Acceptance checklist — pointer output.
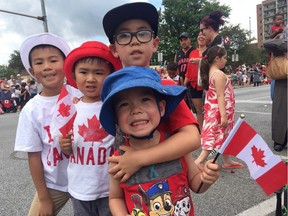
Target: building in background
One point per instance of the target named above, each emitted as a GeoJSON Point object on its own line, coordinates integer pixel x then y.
{"type": "Point", "coordinates": [265, 14]}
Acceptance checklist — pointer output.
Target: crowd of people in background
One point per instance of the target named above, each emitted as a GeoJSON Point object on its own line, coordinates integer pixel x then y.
{"type": "Point", "coordinates": [16, 92]}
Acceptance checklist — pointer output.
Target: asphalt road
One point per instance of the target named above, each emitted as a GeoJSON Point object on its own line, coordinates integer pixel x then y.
{"type": "Point", "coordinates": [234, 194]}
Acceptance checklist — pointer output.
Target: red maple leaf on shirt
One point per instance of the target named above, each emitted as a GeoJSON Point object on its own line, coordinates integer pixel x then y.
{"type": "Point", "coordinates": [64, 110]}
{"type": "Point", "coordinates": [258, 156]}
{"type": "Point", "coordinates": [93, 132]}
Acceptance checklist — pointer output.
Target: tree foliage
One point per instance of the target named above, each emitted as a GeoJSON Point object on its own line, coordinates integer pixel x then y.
{"type": "Point", "coordinates": [15, 62]}
{"type": "Point", "coordinates": [14, 66]}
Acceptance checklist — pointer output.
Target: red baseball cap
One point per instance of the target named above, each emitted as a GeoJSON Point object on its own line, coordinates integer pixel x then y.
{"type": "Point", "coordinates": [89, 49]}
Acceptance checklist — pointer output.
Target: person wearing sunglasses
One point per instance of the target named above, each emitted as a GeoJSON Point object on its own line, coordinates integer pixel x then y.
{"type": "Point", "coordinates": [209, 27]}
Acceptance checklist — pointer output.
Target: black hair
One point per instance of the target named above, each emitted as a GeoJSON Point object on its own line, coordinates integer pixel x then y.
{"type": "Point", "coordinates": [213, 52]}
{"type": "Point", "coordinates": [276, 15]}
{"type": "Point", "coordinates": [42, 46]}
{"type": "Point", "coordinates": [92, 59]}
{"type": "Point", "coordinates": [213, 20]}
{"type": "Point", "coordinates": [172, 66]}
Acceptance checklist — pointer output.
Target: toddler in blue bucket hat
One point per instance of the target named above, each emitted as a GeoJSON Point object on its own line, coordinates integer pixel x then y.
{"type": "Point", "coordinates": [135, 100]}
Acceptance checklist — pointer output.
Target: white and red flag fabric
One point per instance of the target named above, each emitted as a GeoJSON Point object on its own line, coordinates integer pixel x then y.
{"type": "Point", "coordinates": [227, 41]}
{"type": "Point", "coordinates": [65, 113]}
{"type": "Point", "coordinates": [243, 142]}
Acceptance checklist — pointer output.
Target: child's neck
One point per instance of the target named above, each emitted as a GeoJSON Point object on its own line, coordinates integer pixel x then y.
{"type": "Point", "coordinates": [86, 99]}
{"type": "Point", "coordinates": [144, 144]}
{"type": "Point", "coordinates": [213, 68]}
{"type": "Point", "coordinates": [50, 92]}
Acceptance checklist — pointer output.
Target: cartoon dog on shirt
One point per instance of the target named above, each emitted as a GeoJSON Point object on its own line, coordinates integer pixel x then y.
{"type": "Point", "coordinates": [158, 199]}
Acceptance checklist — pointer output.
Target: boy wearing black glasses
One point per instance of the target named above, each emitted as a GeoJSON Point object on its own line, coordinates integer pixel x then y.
{"type": "Point", "coordinates": [132, 31]}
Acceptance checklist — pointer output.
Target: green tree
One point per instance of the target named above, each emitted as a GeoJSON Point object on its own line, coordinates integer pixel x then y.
{"type": "Point", "coordinates": [183, 15]}
{"type": "Point", "coordinates": [5, 71]}
{"type": "Point", "coordinates": [15, 62]}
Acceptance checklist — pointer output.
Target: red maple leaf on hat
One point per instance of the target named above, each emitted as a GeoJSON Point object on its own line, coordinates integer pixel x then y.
{"type": "Point", "coordinates": [258, 156]}
{"type": "Point", "coordinates": [93, 132]}
{"type": "Point", "coordinates": [64, 110]}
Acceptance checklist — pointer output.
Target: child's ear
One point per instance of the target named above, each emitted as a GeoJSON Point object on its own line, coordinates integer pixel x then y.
{"type": "Point", "coordinates": [162, 106]}
{"type": "Point", "coordinates": [113, 50]}
{"type": "Point", "coordinates": [155, 44]}
{"type": "Point", "coordinates": [73, 76]}
{"type": "Point", "coordinates": [32, 72]}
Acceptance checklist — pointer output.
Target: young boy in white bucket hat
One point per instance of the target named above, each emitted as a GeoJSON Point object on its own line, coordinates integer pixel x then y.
{"type": "Point", "coordinates": [43, 57]}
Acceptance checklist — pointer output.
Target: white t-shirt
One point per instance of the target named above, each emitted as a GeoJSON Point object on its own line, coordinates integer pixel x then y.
{"type": "Point", "coordinates": [34, 135]}
{"type": "Point", "coordinates": [88, 177]}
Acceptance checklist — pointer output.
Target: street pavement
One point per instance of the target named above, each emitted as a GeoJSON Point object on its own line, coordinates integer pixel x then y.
{"type": "Point", "coordinates": [234, 194]}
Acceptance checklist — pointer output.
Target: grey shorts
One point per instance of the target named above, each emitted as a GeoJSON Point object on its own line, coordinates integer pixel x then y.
{"type": "Point", "coordinates": [99, 207]}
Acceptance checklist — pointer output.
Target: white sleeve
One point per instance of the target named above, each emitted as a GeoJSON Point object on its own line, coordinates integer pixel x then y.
{"type": "Point", "coordinates": [27, 136]}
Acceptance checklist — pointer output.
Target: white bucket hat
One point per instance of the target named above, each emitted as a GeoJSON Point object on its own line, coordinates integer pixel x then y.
{"type": "Point", "coordinates": [41, 39]}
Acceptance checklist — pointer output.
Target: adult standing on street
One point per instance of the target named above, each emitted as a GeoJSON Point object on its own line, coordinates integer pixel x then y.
{"type": "Point", "coordinates": [182, 59]}
{"type": "Point", "coordinates": [209, 26]}
{"type": "Point", "coordinates": [192, 77]}
{"type": "Point", "coordinates": [182, 56]}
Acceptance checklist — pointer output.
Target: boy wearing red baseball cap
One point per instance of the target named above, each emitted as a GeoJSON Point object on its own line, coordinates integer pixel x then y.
{"type": "Point", "coordinates": [85, 68]}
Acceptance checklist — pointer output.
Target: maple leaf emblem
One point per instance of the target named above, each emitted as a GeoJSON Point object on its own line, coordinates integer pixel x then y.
{"type": "Point", "coordinates": [93, 132]}
{"type": "Point", "coordinates": [258, 156]}
{"type": "Point", "coordinates": [64, 110]}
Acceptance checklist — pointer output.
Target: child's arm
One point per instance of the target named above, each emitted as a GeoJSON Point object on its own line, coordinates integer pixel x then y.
{"type": "Point", "coordinates": [208, 176]}
{"type": "Point", "coordinates": [220, 82]}
{"type": "Point", "coordinates": [116, 198]}
{"type": "Point", "coordinates": [276, 33]}
{"type": "Point", "coordinates": [185, 140]}
{"type": "Point", "coordinates": [37, 173]}
{"type": "Point", "coordinates": [66, 143]}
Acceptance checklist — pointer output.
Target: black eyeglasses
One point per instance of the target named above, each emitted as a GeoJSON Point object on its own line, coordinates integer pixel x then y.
{"type": "Point", "coordinates": [143, 36]}
{"type": "Point", "coordinates": [201, 30]}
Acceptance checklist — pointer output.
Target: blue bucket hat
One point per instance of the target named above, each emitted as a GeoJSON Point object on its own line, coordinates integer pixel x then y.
{"type": "Point", "coordinates": [132, 77]}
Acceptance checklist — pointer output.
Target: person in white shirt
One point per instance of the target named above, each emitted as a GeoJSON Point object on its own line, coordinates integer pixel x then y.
{"type": "Point", "coordinates": [43, 57]}
{"type": "Point", "coordinates": [86, 67]}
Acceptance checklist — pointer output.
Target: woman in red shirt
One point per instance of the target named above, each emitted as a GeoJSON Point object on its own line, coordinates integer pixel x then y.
{"type": "Point", "coordinates": [192, 77]}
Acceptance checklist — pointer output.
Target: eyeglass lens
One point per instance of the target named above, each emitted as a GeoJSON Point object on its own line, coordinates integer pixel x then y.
{"type": "Point", "coordinates": [142, 36]}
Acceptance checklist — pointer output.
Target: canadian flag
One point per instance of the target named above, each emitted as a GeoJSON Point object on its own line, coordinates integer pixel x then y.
{"type": "Point", "coordinates": [65, 113]}
{"type": "Point", "coordinates": [269, 171]}
{"type": "Point", "coordinates": [226, 40]}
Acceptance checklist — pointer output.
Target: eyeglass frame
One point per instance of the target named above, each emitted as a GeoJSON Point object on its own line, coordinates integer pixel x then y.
{"type": "Point", "coordinates": [134, 34]}
{"type": "Point", "coordinates": [201, 30]}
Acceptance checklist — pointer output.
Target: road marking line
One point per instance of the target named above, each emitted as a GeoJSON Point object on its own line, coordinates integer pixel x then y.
{"type": "Point", "coordinates": [244, 112]}
{"type": "Point", "coordinates": [253, 102]}
{"type": "Point", "coordinates": [261, 209]}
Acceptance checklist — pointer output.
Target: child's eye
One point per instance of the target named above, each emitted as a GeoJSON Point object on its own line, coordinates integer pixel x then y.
{"type": "Point", "coordinates": [123, 104]}
{"type": "Point", "coordinates": [145, 99]}
{"type": "Point", "coordinates": [99, 73]}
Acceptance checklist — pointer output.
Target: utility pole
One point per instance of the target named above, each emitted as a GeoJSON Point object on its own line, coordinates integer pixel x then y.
{"type": "Point", "coordinates": [250, 28]}
{"type": "Point", "coordinates": [43, 17]}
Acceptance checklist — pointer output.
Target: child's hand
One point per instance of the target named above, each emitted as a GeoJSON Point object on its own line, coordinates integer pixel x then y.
{"type": "Point", "coordinates": [66, 143]}
{"type": "Point", "coordinates": [210, 172]}
{"type": "Point", "coordinates": [45, 207]}
{"type": "Point", "coordinates": [127, 164]}
{"type": "Point", "coordinates": [75, 100]}
{"type": "Point", "coordinates": [224, 121]}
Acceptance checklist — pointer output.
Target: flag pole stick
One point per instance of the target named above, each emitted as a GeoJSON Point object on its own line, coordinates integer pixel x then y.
{"type": "Point", "coordinates": [216, 157]}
